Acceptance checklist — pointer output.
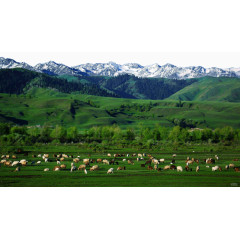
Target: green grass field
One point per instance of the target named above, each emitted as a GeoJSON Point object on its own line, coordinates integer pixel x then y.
{"type": "Point", "coordinates": [133, 176]}
{"type": "Point", "coordinates": [52, 107]}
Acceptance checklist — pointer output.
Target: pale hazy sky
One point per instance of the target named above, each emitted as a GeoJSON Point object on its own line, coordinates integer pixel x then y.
{"type": "Point", "coordinates": [72, 32]}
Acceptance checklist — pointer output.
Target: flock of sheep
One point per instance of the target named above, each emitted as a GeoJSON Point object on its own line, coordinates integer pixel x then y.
{"type": "Point", "coordinates": [152, 163]}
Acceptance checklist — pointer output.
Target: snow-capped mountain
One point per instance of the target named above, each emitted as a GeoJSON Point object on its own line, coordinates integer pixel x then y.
{"type": "Point", "coordinates": [53, 68]}
{"type": "Point", "coordinates": [114, 69]}
{"type": "Point", "coordinates": [154, 70]}
{"type": "Point", "coordinates": [236, 70]}
{"type": "Point", "coordinates": [100, 69]}
{"type": "Point", "coordinates": [10, 63]}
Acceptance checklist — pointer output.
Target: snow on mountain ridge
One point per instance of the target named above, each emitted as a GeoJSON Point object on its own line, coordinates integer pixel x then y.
{"type": "Point", "coordinates": [113, 69]}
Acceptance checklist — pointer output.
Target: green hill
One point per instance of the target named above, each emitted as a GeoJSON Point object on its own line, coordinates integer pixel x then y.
{"type": "Point", "coordinates": [129, 86]}
{"type": "Point", "coordinates": [49, 106]}
{"type": "Point", "coordinates": [20, 81]}
{"type": "Point", "coordinates": [210, 89]}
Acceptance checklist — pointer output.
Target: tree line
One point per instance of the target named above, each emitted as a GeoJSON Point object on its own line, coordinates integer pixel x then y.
{"type": "Point", "coordinates": [111, 135]}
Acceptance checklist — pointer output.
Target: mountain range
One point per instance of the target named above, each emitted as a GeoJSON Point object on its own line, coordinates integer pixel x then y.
{"type": "Point", "coordinates": [113, 69]}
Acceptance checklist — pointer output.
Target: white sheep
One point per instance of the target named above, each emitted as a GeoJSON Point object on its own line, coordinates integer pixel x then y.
{"type": "Point", "coordinates": [215, 168]}
{"type": "Point", "coordinates": [46, 169]}
{"type": "Point", "coordinates": [58, 162]}
{"type": "Point", "coordinates": [15, 163]}
{"type": "Point", "coordinates": [73, 167]}
{"type": "Point", "coordinates": [162, 160]}
{"type": "Point", "coordinates": [46, 159]}
{"type": "Point", "coordinates": [124, 159]}
{"type": "Point", "coordinates": [38, 162]}
{"type": "Point", "coordinates": [85, 171]}
{"type": "Point", "coordinates": [179, 169]}
{"type": "Point", "coordinates": [110, 170]}
{"type": "Point", "coordinates": [105, 161]}
{"type": "Point", "coordinates": [197, 169]}
{"type": "Point", "coordinates": [155, 161]}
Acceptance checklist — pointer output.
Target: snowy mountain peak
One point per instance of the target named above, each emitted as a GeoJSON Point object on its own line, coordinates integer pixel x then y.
{"type": "Point", "coordinates": [113, 69]}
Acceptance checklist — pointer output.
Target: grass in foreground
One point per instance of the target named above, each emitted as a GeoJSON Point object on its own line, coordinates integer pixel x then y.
{"type": "Point", "coordinates": [133, 176]}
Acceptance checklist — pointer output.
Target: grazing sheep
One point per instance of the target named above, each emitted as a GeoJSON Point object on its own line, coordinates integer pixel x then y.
{"type": "Point", "coordinates": [173, 161]}
{"type": "Point", "coordinates": [155, 161]}
{"type": "Point", "coordinates": [207, 166]}
{"type": "Point", "coordinates": [82, 167]}
{"type": "Point", "coordinates": [46, 169]}
{"type": "Point", "coordinates": [150, 168]}
{"type": "Point", "coordinates": [39, 155]}
{"type": "Point", "coordinates": [14, 156]}
{"type": "Point", "coordinates": [3, 161]}
{"type": "Point", "coordinates": [162, 160]}
{"type": "Point", "coordinates": [130, 162]}
{"type": "Point", "coordinates": [76, 160]}
{"type": "Point", "coordinates": [231, 165]}
{"type": "Point", "coordinates": [63, 166]}
{"type": "Point", "coordinates": [8, 163]}
{"type": "Point", "coordinates": [189, 162]}
{"type": "Point", "coordinates": [56, 168]}
{"type": "Point", "coordinates": [86, 161]}
{"type": "Point", "coordinates": [99, 160]}
{"type": "Point", "coordinates": [94, 168]}
{"type": "Point", "coordinates": [124, 159]}
{"type": "Point", "coordinates": [174, 155]}
{"type": "Point", "coordinates": [179, 169]}
{"type": "Point", "coordinates": [121, 168]}
{"type": "Point", "coordinates": [23, 162]}
{"type": "Point", "coordinates": [227, 167]}
{"type": "Point", "coordinates": [210, 161]}
{"type": "Point", "coordinates": [110, 170]}
{"type": "Point", "coordinates": [17, 169]}
{"type": "Point", "coordinates": [62, 159]}
{"type": "Point", "coordinates": [73, 167]}
{"type": "Point", "coordinates": [173, 167]}
{"type": "Point", "coordinates": [197, 169]}
{"type": "Point", "coordinates": [38, 162]}
{"type": "Point", "coordinates": [112, 161]}
{"type": "Point", "coordinates": [15, 163]}
{"type": "Point", "coordinates": [148, 162]}
{"type": "Point", "coordinates": [167, 167]}
{"type": "Point", "coordinates": [85, 171]}
{"type": "Point", "coordinates": [109, 155]}
{"type": "Point", "coordinates": [58, 162]}
{"type": "Point", "coordinates": [155, 167]}
{"type": "Point", "coordinates": [105, 161]}
{"type": "Point", "coordinates": [187, 168]}
{"type": "Point", "coordinates": [215, 168]}
{"type": "Point", "coordinates": [46, 159]}
{"type": "Point", "coordinates": [127, 155]}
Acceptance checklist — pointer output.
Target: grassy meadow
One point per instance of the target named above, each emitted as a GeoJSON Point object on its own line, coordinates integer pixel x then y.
{"type": "Point", "coordinates": [133, 176]}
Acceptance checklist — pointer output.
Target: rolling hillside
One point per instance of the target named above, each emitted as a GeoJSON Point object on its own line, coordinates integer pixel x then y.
{"type": "Point", "coordinates": [210, 89]}
{"type": "Point", "coordinates": [84, 111]}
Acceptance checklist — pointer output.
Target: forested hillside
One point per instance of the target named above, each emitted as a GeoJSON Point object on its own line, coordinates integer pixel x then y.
{"type": "Point", "coordinates": [18, 81]}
